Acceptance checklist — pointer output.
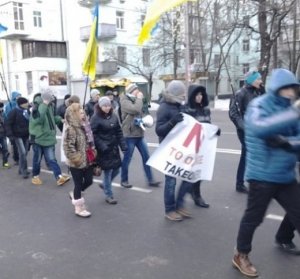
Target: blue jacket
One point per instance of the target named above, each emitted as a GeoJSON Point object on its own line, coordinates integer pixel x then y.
{"type": "Point", "coordinates": [12, 104]}
{"type": "Point", "coordinates": [268, 116]}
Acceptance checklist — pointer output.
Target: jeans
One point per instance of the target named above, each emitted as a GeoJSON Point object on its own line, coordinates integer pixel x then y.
{"type": "Point", "coordinates": [109, 176]}
{"type": "Point", "coordinates": [259, 197]}
{"type": "Point", "coordinates": [49, 154]}
{"type": "Point", "coordinates": [143, 149]}
{"type": "Point", "coordinates": [5, 153]}
{"type": "Point", "coordinates": [241, 168]}
{"type": "Point", "coordinates": [83, 178]}
{"type": "Point", "coordinates": [22, 145]}
{"type": "Point", "coordinates": [169, 193]}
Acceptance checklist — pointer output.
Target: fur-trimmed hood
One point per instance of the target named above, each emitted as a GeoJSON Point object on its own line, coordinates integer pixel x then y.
{"type": "Point", "coordinates": [193, 90]}
{"type": "Point", "coordinates": [71, 115]}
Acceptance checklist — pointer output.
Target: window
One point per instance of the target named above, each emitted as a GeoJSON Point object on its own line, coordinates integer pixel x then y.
{"type": "Point", "coordinates": [17, 82]}
{"type": "Point", "coordinates": [122, 54]}
{"type": "Point", "coordinates": [146, 57]}
{"type": "Point", "coordinates": [29, 82]}
{"type": "Point", "coordinates": [120, 20]}
{"type": "Point", "coordinates": [37, 19]}
{"type": "Point", "coordinates": [246, 45]}
{"type": "Point", "coordinates": [217, 60]}
{"type": "Point", "coordinates": [246, 68]}
{"type": "Point", "coordinates": [246, 20]}
{"type": "Point", "coordinates": [142, 19]}
{"type": "Point", "coordinates": [18, 16]}
{"type": "Point", "coordinates": [43, 49]}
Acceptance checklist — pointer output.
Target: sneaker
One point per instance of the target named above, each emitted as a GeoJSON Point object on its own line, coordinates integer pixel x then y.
{"type": "Point", "coordinates": [242, 189]}
{"type": "Point", "coordinates": [154, 184]}
{"type": "Point", "coordinates": [36, 180]}
{"type": "Point", "coordinates": [62, 180]}
{"type": "Point", "coordinates": [242, 263]}
{"type": "Point", "coordinates": [6, 165]}
{"type": "Point", "coordinates": [184, 213]}
{"type": "Point", "coordinates": [289, 248]}
{"type": "Point", "coordinates": [173, 216]}
{"type": "Point", "coordinates": [125, 184]}
{"type": "Point", "coordinates": [111, 200]}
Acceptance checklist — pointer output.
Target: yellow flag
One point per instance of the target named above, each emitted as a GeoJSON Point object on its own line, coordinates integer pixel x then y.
{"type": "Point", "coordinates": [154, 12]}
{"type": "Point", "coordinates": [90, 59]}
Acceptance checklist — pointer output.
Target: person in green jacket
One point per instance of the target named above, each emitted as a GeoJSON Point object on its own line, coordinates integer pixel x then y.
{"type": "Point", "coordinates": [42, 130]}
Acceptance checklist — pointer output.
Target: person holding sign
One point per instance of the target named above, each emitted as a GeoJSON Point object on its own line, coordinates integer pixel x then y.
{"type": "Point", "coordinates": [168, 115]}
{"type": "Point", "coordinates": [198, 108]}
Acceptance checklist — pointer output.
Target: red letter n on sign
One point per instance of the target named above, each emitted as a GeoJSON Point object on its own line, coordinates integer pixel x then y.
{"type": "Point", "coordinates": [195, 133]}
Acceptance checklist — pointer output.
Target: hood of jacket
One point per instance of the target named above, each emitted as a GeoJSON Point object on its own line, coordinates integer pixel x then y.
{"type": "Point", "coordinates": [281, 78]}
{"type": "Point", "coordinates": [15, 95]}
{"type": "Point", "coordinates": [72, 117]}
{"type": "Point", "coordinates": [37, 99]}
{"type": "Point", "coordinates": [193, 90]}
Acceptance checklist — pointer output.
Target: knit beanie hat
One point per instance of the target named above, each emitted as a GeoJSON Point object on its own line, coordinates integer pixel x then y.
{"type": "Point", "coordinates": [252, 76]}
{"type": "Point", "coordinates": [95, 92]}
{"type": "Point", "coordinates": [67, 97]}
{"type": "Point", "coordinates": [22, 101]}
{"type": "Point", "coordinates": [131, 87]}
{"type": "Point", "coordinates": [109, 93]}
{"type": "Point", "coordinates": [1, 105]}
{"type": "Point", "coordinates": [104, 101]}
{"type": "Point", "coordinates": [176, 91]}
{"type": "Point", "coordinates": [47, 95]}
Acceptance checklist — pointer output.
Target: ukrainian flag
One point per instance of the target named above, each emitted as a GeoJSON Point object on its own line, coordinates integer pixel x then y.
{"type": "Point", "coordinates": [2, 29]}
{"type": "Point", "coordinates": [154, 12]}
{"type": "Point", "coordinates": [90, 59]}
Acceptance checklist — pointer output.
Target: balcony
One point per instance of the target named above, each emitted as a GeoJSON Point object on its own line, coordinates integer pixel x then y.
{"type": "Point", "coordinates": [91, 3]}
{"type": "Point", "coordinates": [106, 68]}
{"type": "Point", "coordinates": [105, 31]}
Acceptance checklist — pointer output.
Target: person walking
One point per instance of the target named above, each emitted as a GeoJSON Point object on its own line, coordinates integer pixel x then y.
{"type": "Point", "coordinates": [272, 136]}
{"type": "Point", "coordinates": [77, 139]}
{"type": "Point", "coordinates": [17, 129]}
{"type": "Point", "coordinates": [237, 109]}
{"type": "Point", "coordinates": [131, 109]}
{"type": "Point", "coordinates": [168, 115]}
{"type": "Point", "coordinates": [42, 131]}
{"type": "Point", "coordinates": [198, 108]}
{"type": "Point", "coordinates": [3, 139]}
{"type": "Point", "coordinates": [7, 109]}
{"type": "Point", "coordinates": [108, 139]}
{"type": "Point", "coordinates": [89, 107]}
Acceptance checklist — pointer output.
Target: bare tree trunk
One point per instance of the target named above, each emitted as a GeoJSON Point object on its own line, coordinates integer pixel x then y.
{"type": "Point", "coordinates": [294, 46]}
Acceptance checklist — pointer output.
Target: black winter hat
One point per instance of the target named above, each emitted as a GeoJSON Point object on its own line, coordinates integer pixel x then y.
{"type": "Point", "coordinates": [1, 105]}
{"type": "Point", "coordinates": [67, 96]}
{"type": "Point", "coordinates": [22, 101]}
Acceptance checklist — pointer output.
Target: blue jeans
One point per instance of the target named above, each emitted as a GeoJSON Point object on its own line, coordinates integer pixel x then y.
{"type": "Point", "coordinates": [5, 153]}
{"type": "Point", "coordinates": [143, 149]}
{"type": "Point", "coordinates": [49, 154]}
{"type": "Point", "coordinates": [171, 204]}
{"type": "Point", "coordinates": [109, 176]}
{"type": "Point", "coordinates": [22, 145]}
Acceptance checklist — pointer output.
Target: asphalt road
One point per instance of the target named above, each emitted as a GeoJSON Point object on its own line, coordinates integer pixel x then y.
{"type": "Point", "coordinates": [41, 238]}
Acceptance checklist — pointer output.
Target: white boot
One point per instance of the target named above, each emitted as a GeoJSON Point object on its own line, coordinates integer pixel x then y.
{"type": "Point", "coordinates": [80, 208]}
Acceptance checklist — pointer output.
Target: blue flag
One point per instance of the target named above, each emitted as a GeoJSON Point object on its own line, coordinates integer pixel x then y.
{"type": "Point", "coordinates": [2, 28]}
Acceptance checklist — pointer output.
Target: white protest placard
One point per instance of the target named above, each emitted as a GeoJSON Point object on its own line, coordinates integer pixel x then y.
{"type": "Point", "coordinates": [188, 152]}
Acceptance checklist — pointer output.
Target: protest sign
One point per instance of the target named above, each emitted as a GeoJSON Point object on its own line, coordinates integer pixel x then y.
{"type": "Point", "coordinates": [188, 152]}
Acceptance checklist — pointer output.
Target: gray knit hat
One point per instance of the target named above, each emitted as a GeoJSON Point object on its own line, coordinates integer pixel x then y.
{"type": "Point", "coordinates": [47, 95]}
{"type": "Point", "coordinates": [176, 91]}
{"type": "Point", "coordinates": [131, 87]}
{"type": "Point", "coordinates": [95, 92]}
{"type": "Point", "coordinates": [104, 101]}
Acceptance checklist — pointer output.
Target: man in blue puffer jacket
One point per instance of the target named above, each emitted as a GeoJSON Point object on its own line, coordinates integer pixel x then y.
{"type": "Point", "coordinates": [272, 136]}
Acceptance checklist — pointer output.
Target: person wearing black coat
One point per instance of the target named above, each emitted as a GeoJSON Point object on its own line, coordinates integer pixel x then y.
{"type": "Point", "coordinates": [61, 111]}
{"type": "Point", "coordinates": [3, 139]}
{"type": "Point", "coordinates": [108, 138]}
{"type": "Point", "coordinates": [17, 129]}
{"type": "Point", "coordinates": [198, 108]}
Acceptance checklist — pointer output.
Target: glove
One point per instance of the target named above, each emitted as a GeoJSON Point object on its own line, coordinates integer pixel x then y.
{"type": "Point", "coordinates": [218, 133]}
{"type": "Point", "coordinates": [279, 142]}
{"type": "Point", "coordinates": [176, 119]}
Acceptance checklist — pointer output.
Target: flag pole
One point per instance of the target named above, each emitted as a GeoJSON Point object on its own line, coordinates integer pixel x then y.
{"type": "Point", "coordinates": [87, 80]}
{"type": "Point", "coordinates": [3, 81]}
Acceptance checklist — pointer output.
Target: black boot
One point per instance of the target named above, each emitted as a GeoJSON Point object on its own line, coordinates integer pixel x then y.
{"type": "Point", "coordinates": [196, 194]}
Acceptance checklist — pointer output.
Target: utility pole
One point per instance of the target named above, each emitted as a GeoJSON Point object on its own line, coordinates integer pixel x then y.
{"type": "Point", "coordinates": [187, 45]}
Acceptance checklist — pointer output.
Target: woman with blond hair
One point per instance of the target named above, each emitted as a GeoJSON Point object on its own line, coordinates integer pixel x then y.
{"type": "Point", "coordinates": [78, 139]}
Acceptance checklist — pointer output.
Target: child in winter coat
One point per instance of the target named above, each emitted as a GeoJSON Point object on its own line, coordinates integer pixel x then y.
{"type": "Point", "coordinates": [108, 138]}
{"type": "Point", "coordinates": [77, 139]}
